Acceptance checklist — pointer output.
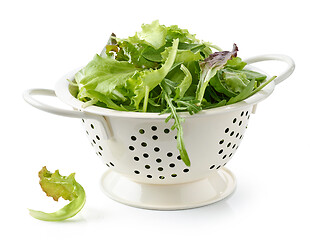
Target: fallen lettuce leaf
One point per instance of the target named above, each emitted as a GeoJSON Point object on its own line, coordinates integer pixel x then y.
{"type": "Point", "coordinates": [56, 186]}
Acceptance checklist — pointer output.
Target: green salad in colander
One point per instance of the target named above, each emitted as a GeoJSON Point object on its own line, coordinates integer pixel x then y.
{"type": "Point", "coordinates": [166, 70]}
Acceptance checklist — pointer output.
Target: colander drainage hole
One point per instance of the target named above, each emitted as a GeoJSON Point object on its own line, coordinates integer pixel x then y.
{"type": "Point", "coordinates": [161, 177]}
{"type": "Point", "coordinates": [160, 169]}
{"type": "Point", "coordinates": [186, 170]}
{"type": "Point", "coordinates": [136, 158]}
{"type": "Point", "coordinates": [141, 131]}
{"type": "Point", "coordinates": [173, 175]}
{"type": "Point", "coordinates": [213, 166]}
{"type": "Point", "coordinates": [179, 157]}
{"type": "Point", "coordinates": [111, 164]}
{"type": "Point", "coordinates": [154, 137]}
{"type": "Point", "coordinates": [145, 155]}
{"type": "Point", "coordinates": [136, 172]}
{"type": "Point", "coordinates": [98, 138]}
{"type": "Point", "coordinates": [149, 176]}
{"type": "Point", "coordinates": [92, 126]}
{"type": "Point", "coordinates": [133, 138]}
{"type": "Point", "coordinates": [154, 128]}
{"type": "Point", "coordinates": [156, 149]}
{"type": "Point", "coordinates": [166, 130]}
{"type": "Point", "coordinates": [100, 148]}
{"type": "Point", "coordinates": [169, 154]}
{"type": "Point", "coordinates": [226, 130]}
{"type": "Point", "coordinates": [221, 151]}
{"type": "Point", "coordinates": [147, 166]}
{"type": "Point", "coordinates": [222, 141]}
{"type": "Point", "coordinates": [172, 165]}
{"type": "Point", "coordinates": [143, 144]}
{"type": "Point", "coordinates": [131, 148]}
{"type": "Point", "coordinates": [158, 160]}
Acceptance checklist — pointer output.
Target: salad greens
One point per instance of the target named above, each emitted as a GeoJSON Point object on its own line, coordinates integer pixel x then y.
{"type": "Point", "coordinates": [166, 70]}
{"type": "Point", "coordinates": [56, 186]}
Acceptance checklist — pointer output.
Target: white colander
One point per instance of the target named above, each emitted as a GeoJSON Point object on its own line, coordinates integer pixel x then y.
{"type": "Point", "coordinates": [145, 168]}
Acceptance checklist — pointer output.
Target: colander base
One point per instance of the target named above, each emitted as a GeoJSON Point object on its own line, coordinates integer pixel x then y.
{"type": "Point", "coordinates": [213, 188]}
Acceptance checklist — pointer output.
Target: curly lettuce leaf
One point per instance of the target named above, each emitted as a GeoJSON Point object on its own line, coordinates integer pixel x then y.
{"type": "Point", "coordinates": [147, 80]}
{"type": "Point", "coordinates": [111, 46]}
{"type": "Point", "coordinates": [135, 54]}
{"type": "Point", "coordinates": [174, 32]}
{"type": "Point", "coordinates": [153, 34]}
{"type": "Point", "coordinates": [56, 186]}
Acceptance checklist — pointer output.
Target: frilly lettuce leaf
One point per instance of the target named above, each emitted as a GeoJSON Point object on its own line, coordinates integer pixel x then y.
{"type": "Point", "coordinates": [56, 186]}
{"type": "Point", "coordinates": [146, 80]}
{"type": "Point", "coordinates": [174, 32]}
{"type": "Point", "coordinates": [152, 34]}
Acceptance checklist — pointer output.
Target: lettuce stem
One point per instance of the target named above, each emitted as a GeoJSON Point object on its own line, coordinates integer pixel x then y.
{"type": "Point", "coordinates": [146, 98]}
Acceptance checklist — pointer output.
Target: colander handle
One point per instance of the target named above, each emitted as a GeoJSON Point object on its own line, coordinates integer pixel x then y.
{"type": "Point", "coordinates": [28, 96]}
{"type": "Point", "coordinates": [276, 57]}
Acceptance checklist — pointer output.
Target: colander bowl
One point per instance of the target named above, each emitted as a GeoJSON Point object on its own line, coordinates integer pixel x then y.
{"type": "Point", "coordinates": [140, 149]}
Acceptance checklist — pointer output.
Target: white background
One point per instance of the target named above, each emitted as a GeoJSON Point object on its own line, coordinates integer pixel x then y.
{"type": "Point", "coordinates": [42, 40]}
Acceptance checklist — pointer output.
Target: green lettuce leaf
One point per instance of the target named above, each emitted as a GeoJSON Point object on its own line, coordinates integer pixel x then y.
{"type": "Point", "coordinates": [135, 54]}
{"type": "Point", "coordinates": [147, 80]}
{"type": "Point", "coordinates": [56, 186]}
{"type": "Point", "coordinates": [210, 66]}
{"type": "Point", "coordinates": [153, 34]}
{"type": "Point", "coordinates": [106, 76]}
{"type": "Point", "coordinates": [174, 32]}
{"type": "Point", "coordinates": [185, 84]}
{"type": "Point", "coordinates": [235, 63]}
{"type": "Point", "coordinates": [177, 123]}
